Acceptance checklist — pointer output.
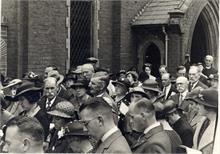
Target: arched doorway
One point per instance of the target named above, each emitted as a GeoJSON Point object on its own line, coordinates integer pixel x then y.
{"type": "Point", "coordinates": [199, 41]}
{"type": "Point", "coordinates": [152, 55]}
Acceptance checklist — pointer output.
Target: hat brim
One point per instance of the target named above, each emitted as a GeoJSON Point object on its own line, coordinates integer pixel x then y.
{"type": "Point", "coordinates": [116, 82]}
{"type": "Point", "coordinates": [78, 134]}
{"type": "Point", "coordinates": [197, 100]}
{"type": "Point", "coordinates": [78, 85]}
{"type": "Point", "coordinates": [152, 89]}
{"type": "Point", "coordinates": [27, 90]}
{"type": "Point", "coordinates": [58, 114]}
{"type": "Point", "coordinates": [11, 85]}
{"type": "Point", "coordinates": [136, 92]}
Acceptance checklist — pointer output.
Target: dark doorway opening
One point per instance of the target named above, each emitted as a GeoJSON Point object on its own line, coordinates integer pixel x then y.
{"type": "Point", "coordinates": [152, 56]}
{"type": "Point", "coordinates": [199, 42]}
{"type": "Point", "coordinates": [81, 31]}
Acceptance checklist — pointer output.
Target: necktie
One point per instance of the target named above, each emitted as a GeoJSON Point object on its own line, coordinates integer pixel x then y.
{"type": "Point", "coordinates": [180, 99]}
{"type": "Point", "coordinates": [48, 105]}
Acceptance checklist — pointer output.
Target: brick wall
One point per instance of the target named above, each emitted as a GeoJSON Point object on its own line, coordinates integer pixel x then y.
{"type": "Point", "coordinates": [9, 10]}
{"type": "Point", "coordinates": [47, 35]}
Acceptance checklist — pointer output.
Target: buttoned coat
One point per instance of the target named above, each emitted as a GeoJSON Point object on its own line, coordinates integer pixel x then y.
{"type": "Point", "coordinates": [116, 143]}
{"type": "Point", "coordinates": [155, 141]}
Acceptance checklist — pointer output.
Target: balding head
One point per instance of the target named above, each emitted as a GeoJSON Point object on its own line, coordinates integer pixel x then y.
{"type": "Point", "coordinates": [182, 84]}
{"type": "Point", "coordinates": [87, 71]}
{"type": "Point", "coordinates": [194, 74]}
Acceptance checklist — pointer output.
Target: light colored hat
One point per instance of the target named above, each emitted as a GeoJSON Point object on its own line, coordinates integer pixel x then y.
{"type": "Point", "coordinates": [63, 109]}
{"type": "Point", "coordinates": [13, 83]}
{"type": "Point", "coordinates": [57, 75]}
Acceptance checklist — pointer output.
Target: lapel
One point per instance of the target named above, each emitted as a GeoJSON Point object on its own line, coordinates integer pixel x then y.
{"type": "Point", "coordinates": [143, 139]}
{"type": "Point", "coordinates": [106, 144]}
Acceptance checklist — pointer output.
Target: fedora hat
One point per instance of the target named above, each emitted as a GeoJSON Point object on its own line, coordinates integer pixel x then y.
{"type": "Point", "coordinates": [80, 83]}
{"type": "Point", "coordinates": [57, 75]}
{"type": "Point", "coordinates": [207, 97]}
{"type": "Point", "coordinates": [123, 82]}
{"type": "Point", "coordinates": [151, 85]}
{"type": "Point", "coordinates": [13, 83]}
{"type": "Point", "coordinates": [136, 90]}
{"type": "Point", "coordinates": [63, 109]}
{"type": "Point", "coordinates": [76, 128]}
{"type": "Point", "coordinates": [26, 86]}
{"type": "Point", "coordinates": [92, 60]}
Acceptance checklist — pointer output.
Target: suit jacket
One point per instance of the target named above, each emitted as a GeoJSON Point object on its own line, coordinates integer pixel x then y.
{"type": "Point", "coordinates": [185, 131]}
{"type": "Point", "coordinates": [42, 104]}
{"type": "Point", "coordinates": [63, 93]}
{"type": "Point", "coordinates": [184, 104]}
{"type": "Point", "coordinates": [115, 143]}
{"type": "Point", "coordinates": [155, 141]}
{"type": "Point", "coordinates": [171, 92]}
{"type": "Point", "coordinates": [207, 72]}
{"type": "Point", "coordinates": [198, 84]}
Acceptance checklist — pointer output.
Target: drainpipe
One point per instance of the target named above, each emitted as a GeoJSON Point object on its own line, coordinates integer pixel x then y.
{"type": "Point", "coordinates": [166, 45]}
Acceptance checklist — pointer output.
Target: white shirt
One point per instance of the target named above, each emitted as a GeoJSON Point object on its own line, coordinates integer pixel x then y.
{"type": "Point", "coordinates": [194, 84]}
{"type": "Point", "coordinates": [166, 90]}
{"type": "Point", "coordinates": [184, 94]}
{"type": "Point", "coordinates": [109, 133]}
{"type": "Point", "coordinates": [151, 127]}
{"type": "Point", "coordinates": [51, 102]}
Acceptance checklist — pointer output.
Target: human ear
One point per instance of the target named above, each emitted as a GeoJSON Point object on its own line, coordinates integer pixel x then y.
{"type": "Point", "coordinates": [26, 145]}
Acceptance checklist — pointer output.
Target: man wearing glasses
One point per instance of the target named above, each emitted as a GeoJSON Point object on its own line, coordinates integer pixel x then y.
{"type": "Point", "coordinates": [97, 118]}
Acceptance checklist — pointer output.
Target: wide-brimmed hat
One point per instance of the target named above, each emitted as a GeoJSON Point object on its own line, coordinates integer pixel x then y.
{"type": "Point", "coordinates": [152, 85]}
{"type": "Point", "coordinates": [26, 86]}
{"type": "Point", "coordinates": [76, 128]}
{"type": "Point", "coordinates": [13, 83]}
{"type": "Point", "coordinates": [134, 73]}
{"type": "Point", "coordinates": [80, 83]}
{"type": "Point", "coordinates": [57, 75]}
{"type": "Point", "coordinates": [92, 60]}
{"type": "Point", "coordinates": [207, 97]}
{"type": "Point", "coordinates": [63, 109]}
{"type": "Point", "coordinates": [137, 90]}
{"type": "Point", "coordinates": [122, 81]}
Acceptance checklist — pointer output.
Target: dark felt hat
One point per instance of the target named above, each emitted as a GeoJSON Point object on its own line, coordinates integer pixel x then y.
{"type": "Point", "coordinates": [80, 83]}
{"type": "Point", "coordinates": [122, 81]}
{"type": "Point", "coordinates": [151, 85]}
{"type": "Point", "coordinates": [76, 128]}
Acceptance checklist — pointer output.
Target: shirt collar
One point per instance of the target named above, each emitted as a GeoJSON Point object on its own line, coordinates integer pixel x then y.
{"type": "Point", "coordinates": [51, 101]}
{"type": "Point", "coordinates": [109, 133]}
{"type": "Point", "coordinates": [184, 94]}
{"type": "Point", "coordinates": [156, 124]}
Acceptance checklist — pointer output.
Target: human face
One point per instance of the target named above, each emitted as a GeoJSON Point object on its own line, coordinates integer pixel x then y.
{"type": "Point", "coordinates": [162, 71]}
{"type": "Point", "coordinates": [119, 90]}
{"type": "Point", "coordinates": [135, 97]}
{"type": "Point", "coordinates": [58, 122]}
{"type": "Point", "coordinates": [181, 72]}
{"type": "Point", "coordinates": [181, 85]}
{"type": "Point", "coordinates": [50, 88]}
{"type": "Point", "coordinates": [91, 123]}
{"type": "Point", "coordinates": [25, 103]}
{"type": "Point", "coordinates": [165, 80]}
{"type": "Point", "coordinates": [80, 92]}
{"type": "Point", "coordinates": [193, 75]}
{"type": "Point", "coordinates": [47, 70]}
{"type": "Point", "coordinates": [95, 86]}
{"type": "Point", "coordinates": [208, 61]}
{"type": "Point", "coordinates": [148, 70]}
{"type": "Point", "coordinates": [13, 140]}
{"type": "Point", "coordinates": [87, 74]}
{"type": "Point", "coordinates": [136, 120]}
{"type": "Point", "coordinates": [130, 78]}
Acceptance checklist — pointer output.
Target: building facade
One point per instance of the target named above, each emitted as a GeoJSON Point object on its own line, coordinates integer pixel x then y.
{"type": "Point", "coordinates": [122, 34]}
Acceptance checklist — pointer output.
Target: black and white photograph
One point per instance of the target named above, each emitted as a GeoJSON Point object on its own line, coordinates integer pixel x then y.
{"type": "Point", "coordinates": [109, 76]}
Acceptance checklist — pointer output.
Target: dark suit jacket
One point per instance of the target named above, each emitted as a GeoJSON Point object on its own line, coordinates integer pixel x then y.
{"type": "Point", "coordinates": [115, 143]}
{"type": "Point", "coordinates": [199, 84]}
{"type": "Point", "coordinates": [184, 105]}
{"type": "Point", "coordinates": [207, 72]}
{"type": "Point", "coordinates": [185, 131]}
{"type": "Point", "coordinates": [42, 104]}
{"type": "Point", "coordinates": [155, 141]}
{"type": "Point", "coordinates": [172, 90]}
{"type": "Point", "coordinates": [63, 93]}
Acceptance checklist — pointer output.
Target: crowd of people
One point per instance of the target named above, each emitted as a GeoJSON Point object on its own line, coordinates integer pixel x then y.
{"type": "Point", "coordinates": [93, 110]}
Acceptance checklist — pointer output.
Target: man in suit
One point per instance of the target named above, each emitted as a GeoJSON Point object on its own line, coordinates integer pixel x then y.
{"type": "Point", "coordinates": [50, 98]}
{"type": "Point", "coordinates": [97, 117]}
{"type": "Point", "coordinates": [194, 76]}
{"type": "Point", "coordinates": [168, 88]}
{"type": "Point", "coordinates": [208, 68]}
{"type": "Point", "coordinates": [143, 119]}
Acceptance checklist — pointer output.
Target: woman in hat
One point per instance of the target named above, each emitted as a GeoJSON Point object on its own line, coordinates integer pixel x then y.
{"type": "Point", "coordinates": [28, 95]}
{"type": "Point", "coordinates": [63, 114]}
{"type": "Point", "coordinates": [81, 96]}
{"type": "Point", "coordinates": [132, 76]}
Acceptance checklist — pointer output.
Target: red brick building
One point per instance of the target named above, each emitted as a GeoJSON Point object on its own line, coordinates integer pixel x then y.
{"type": "Point", "coordinates": [121, 34]}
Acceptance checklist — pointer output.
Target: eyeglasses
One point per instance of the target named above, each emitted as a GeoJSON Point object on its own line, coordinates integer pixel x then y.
{"type": "Point", "coordinates": [86, 122]}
